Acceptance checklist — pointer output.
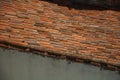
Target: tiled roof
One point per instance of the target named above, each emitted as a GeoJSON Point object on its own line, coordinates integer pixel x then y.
{"type": "Point", "coordinates": [45, 26]}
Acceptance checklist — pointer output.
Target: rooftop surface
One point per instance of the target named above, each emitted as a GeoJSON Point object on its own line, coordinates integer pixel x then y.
{"type": "Point", "coordinates": [89, 34]}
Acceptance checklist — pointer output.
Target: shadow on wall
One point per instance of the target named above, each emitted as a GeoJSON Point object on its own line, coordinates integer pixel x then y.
{"type": "Point", "coordinates": [88, 4]}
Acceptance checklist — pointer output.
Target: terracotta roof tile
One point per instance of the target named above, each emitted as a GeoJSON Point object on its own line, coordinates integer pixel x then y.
{"type": "Point", "coordinates": [86, 34]}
